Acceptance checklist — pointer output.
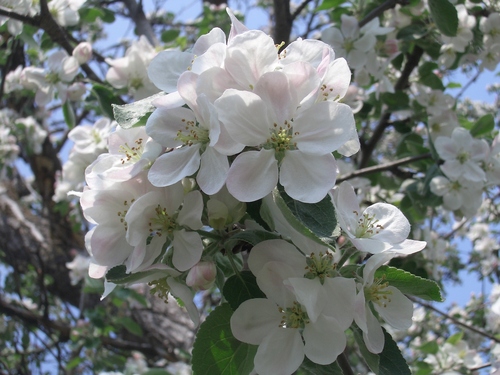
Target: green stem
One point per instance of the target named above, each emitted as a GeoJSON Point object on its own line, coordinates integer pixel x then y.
{"type": "Point", "coordinates": [349, 252]}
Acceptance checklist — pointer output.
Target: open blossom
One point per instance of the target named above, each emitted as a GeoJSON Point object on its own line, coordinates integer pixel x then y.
{"type": "Point", "coordinates": [460, 194]}
{"type": "Point", "coordinates": [379, 228]}
{"type": "Point", "coordinates": [464, 35]}
{"type": "Point", "coordinates": [295, 146]}
{"type": "Point", "coordinates": [392, 305]}
{"type": "Point", "coordinates": [65, 12]}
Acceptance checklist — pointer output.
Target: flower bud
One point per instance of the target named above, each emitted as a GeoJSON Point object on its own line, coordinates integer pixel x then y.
{"type": "Point", "coordinates": [76, 91]}
{"type": "Point", "coordinates": [83, 52]}
{"type": "Point", "coordinates": [202, 276]}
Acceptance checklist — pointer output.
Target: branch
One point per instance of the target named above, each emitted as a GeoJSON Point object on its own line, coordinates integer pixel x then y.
{"type": "Point", "coordinates": [344, 364]}
{"type": "Point", "coordinates": [384, 167]}
{"type": "Point", "coordinates": [19, 17]}
{"type": "Point", "coordinates": [389, 4]}
{"type": "Point", "coordinates": [136, 13]}
{"type": "Point", "coordinates": [299, 9]}
{"type": "Point", "coordinates": [455, 320]}
{"type": "Point", "coordinates": [282, 22]}
{"type": "Point", "coordinates": [467, 85]}
{"type": "Point", "coordinates": [411, 63]}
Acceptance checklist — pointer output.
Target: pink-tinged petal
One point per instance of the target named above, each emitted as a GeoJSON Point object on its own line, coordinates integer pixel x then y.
{"type": "Point", "coordinates": [187, 249]}
{"type": "Point", "coordinates": [324, 340]}
{"type": "Point", "coordinates": [253, 175]}
{"type": "Point", "coordinates": [398, 311]}
{"type": "Point", "coordinates": [185, 294]}
{"type": "Point", "coordinates": [164, 124]}
{"type": "Point", "coordinates": [166, 68]}
{"type": "Point", "coordinates": [190, 214]}
{"type": "Point", "coordinates": [143, 256]}
{"type": "Point", "coordinates": [337, 79]}
{"type": "Point", "coordinates": [309, 293]}
{"type": "Point", "coordinates": [246, 116]}
{"type": "Point", "coordinates": [341, 298]}
{"type": "Point", "coordinates": [186, 86]}
{"type": "Point", "coordinates": [249, 55]}
{"type": "Point", "coordinates": [309, 50]}
{"type": "Point", "coordinates": [213, 171]}
{"type": "Point", "coordinates": [395, 227]}
{"type": "Point", "coordinates": [139, 214]}
{"type": "Point", "coordinates": [172, 100]}
{"type": "Point", "coordinates": [280, 352]}
{"type": "Point", "coordinates": [304, 79]}
{"type": "Point", "coordinates": [408, 247]}
{"type": "Point", "coordinates": [214, 81]}
{"type": "Point", "coordinates": [374, 336]}
{"type": "Point", "coordinates": [236, 26]}
{"type": "Point", "coordinates": [278, 251]}
{"type": "Point", "coordinates": [175, 165]}
{"type": "Point", "coordinates": [204, 42]}
{"type": "Point", "coordinates": [227, 145]}
{"type": "Point", "coordinates": [213, 57]}
{"type": "Point", "coordinates": [274, 90]}
{"type": "Point", "coordinates": [308, 178]}
{"type": "Point", "coordinates": [254, 319]}
{"type": "Point", "coordinates": [97, 271]}
{"type": "Point", "coordinates": [109, 247]}
{"type": "Point", "coordinates": [208, 118]}
{"type": "Point", "coordinates": [323, 127]}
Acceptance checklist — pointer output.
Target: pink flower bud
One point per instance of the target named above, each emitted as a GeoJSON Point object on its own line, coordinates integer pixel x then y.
{"type": "Point", "coordinates": [391, 47]}
{"type": "Point", "coordinates": [83, 52]}
{"type": "Point", "coordinates": [202, 276]}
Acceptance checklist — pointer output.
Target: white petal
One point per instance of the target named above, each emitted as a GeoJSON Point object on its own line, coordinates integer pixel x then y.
{"type": "Point", "coordinates": [213, 171]}
{"type": "Point", "coordinates": [395, 226]}
{"type": "Point", "coordinates": [275, 91]}
{"type": "Point", "coordinates": [309, 293]}
{"type": "Point", "coordinates": [181, 291]}
{"type": "Point", "coordinates": [374, 336]}
{"type": "Point", "coordinates": [340, 305]}
{"type": "Point", "coordinates": [175, 165]}
{"type": "Point", "coordinates": [253, 175]}
{"type": "Point", "coordinates": [254, 319]}
{"type": "Point", "coordinates": [399, 309]}
{"type": "Point", "coordinates": [164, 124]}
{"type": "Point", "coordinates": [324, 340]}
{"type": "Point", "coordinates": [187, 249]}
{"type": "Point", "coordinates": [190, 214]}
{"type": "Point", "coordinates": [270, 280]}
{"type": "Point", "coordinates": [280, 352]}
{"type": "Point", "coordinates": [278, 251]}
{"type": "Point", "coordinates": [308, 178]}
{"type": "Point", "coordinates": [166, 68]}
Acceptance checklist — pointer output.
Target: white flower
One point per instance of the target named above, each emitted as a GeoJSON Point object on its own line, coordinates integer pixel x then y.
{"type": "Point", "coordinates": [392, 305]}
{"type": "Point", "coordinates": [92, 139]}
{"type": "Point", "coordinates": [379, 228]}
{"type": "Point", "coordinates": [83, 52]}
{"type": "Point", "coordinates": [462, 155]}
{"type": "Point", "coordinates": [464, 35]}
{"type": "Point", "coordinates": [78, 267]}
{"type": "Point", "coordinates": [295, 145]}
{"type": "Point", "coordinates": [65, 12]}
{"type": "Point", "coordinates": [457, 194]}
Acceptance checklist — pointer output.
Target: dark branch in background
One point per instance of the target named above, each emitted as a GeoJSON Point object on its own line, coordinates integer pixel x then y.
{"type": "Point", "coordinates": [455, 320]}
{"type": "Point", "coordinates": [136, 13]}
{"type": "Point", "coordinates": [344, 364]}
{"type": "Point", "coordinates": [282, 22]}
{"type": "Point", "coordinates": [412, 60]}
{"type": "Point", "coordinates": [299, 9]}
{"type": "Point", "coordinates": [384, 167]}
{"type": "Point", "coordinates": [389, 4]}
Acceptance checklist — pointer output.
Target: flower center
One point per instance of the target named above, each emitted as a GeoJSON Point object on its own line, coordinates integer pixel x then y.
{"type": "Point", "coordinates": [121, 214]}
{"type": "Point", "coordinates": [294, 317]}
{"type": "Point", "coordinates": [463, 157]}
{"type": "Point", "coordinates": [136, 83]}
{"type": "Point", "coordinates": [348, 45]}
{"type": "Point", "coordinates": [326, 91]}
{"type": "Point", "coordinates": [281, 140]}
{"type": "Point", "coordinates": [162, 222]}
{"type": "Point", "coordinates": [96, 136]}
{"type": "Point", "coordinates": [378, 293]}
{"type": "Point", "coordinates": [132, 154]}
{"type": "Point", "coordinates": [192, 134]}
{"type": "Point", "coordinates": [52, 78]}
{"type": "Point", "coordinates": [367, 226]}
{"type": "Point", "coordinates": [320, 266]}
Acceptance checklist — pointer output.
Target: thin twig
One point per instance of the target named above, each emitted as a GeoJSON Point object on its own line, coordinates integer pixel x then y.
{"type": "Point", "coordinates": [389, 4]}
{"type": "Point", "coordinates": [467, 85]}
{"type": "Point", "coordinates": [455, 320]}
{"type": "Point", "coordinates": [344, 364]}
{"type": "Point", "coordinates": [384, 167]}
{"type": "Point", "coordinates": [300, 8]}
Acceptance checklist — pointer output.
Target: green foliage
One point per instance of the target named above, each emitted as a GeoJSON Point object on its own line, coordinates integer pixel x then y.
{"type": "Point", "coordinates": [216, 351]}
{"type": "Point", "coordinates": [241, 287]}
{"type": "Point", "coordinates": [106, 98]}
{"type": "Point", "coordinates": [317, 221]}
{"type": "Point", "coordinates": [483, 126]}
{"type": "Point", "coordinates": [310, 368]}
{"type": "Point", "coordinates": [69, 114]}
{"type": "Point", "coordinates": [410, 284]}
{"type": "Point", "coordinates": [169, 35]}
{"type": "Point", "coordinates": [134, 114]}
{"type": "Point", "coordinates": [329, 4]}
{"type": "Point", "coordinates": [445, 16]}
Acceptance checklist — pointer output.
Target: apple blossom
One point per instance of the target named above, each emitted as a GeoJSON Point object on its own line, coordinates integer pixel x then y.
{"type": "Point", "coordinates": [202, 275]}
{"type": "Point", "coordinates": [83, 52]}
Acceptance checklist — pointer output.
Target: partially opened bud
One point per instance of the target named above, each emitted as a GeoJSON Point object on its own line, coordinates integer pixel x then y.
{"type": "Point", "coordinates": [83, 52]}
{"type": "Point", "coordinates": [202, 276]}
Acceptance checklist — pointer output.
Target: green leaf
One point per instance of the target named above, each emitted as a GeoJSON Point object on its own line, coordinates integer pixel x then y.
{"type": "Point", "coordinates": [252, 237]}
{"type": "Point", "coordinates": [118, 275]}
{"type": "Point", "coordinates": [106, 99]}
{"type": "Point", "coordinates": [316, 221]}
{"type": "Point", "coordinates": [372, 360]}
{"type": "Point", "coordinates": [90, 15]}
{"type": "Point", "coordinates": [128, 115]}
{"type": "Point", "coordinates": [483, 126]}
{"type": "Point", "coordinates": [433, 81]}
{"type": "Point", "coordinates": [257, 212]}
{"type": "Point", "coordinates": [242, 287]}
{"type": "Point", "coordinates": [410, 284]}
{"type": "Point", "coordinates": [310, 368]}
{"type": "Point", "coordinates": [156, 371]}
{"type": "Point", "coordinates": [329, 4]}
{"type": "Point", "coordinates": [445, 16]}
{"type": "Point", "coordinates": [395, 101]}
{"type": "Point", "coordinates": [455, 338]}
{"type": "Point", "coordinates": [391, 360]}
{"type": "Point", "coordinates": [430, 347]}
{"type": "Point", "coordinates": [216, 351]}
{"type": "Point", "coordinates": [130, 325]}
{"type": "Point", "coordinates": [69, 114]}
{"type": "Point", "coordinates": [169, 35]}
